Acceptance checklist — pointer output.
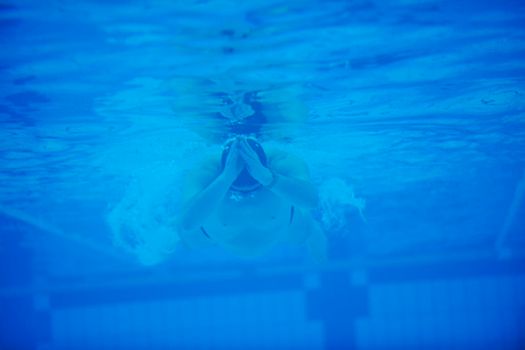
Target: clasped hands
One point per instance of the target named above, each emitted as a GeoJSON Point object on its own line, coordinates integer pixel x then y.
{"type": "Point", "coordinates": [242, 156]}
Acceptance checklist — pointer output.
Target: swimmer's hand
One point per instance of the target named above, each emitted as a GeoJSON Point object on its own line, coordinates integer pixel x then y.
{"type": "Point", "coordinates": [257, 170]}
{"type": "Point", "coordinates": [234, 163]}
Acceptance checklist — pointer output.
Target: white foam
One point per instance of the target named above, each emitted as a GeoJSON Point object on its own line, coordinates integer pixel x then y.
{"type": "Point", "coordinates": [143, 221]}
{"type": "Point", "coordinates": [337, 201]}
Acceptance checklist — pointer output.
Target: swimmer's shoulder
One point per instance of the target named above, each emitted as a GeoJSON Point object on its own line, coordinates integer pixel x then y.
{"type": "Point", "coordinates": [287, 164]}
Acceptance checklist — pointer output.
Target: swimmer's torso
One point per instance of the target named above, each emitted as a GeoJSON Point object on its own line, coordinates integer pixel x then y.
{"type": "Point", "coordinates": [250, 223]}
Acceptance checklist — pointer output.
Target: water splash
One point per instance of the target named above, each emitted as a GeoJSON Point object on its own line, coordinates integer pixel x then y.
{"type": "Point", "coordinates": [143, 221]}
{"type": "Point", "coordinates": [337, 201]}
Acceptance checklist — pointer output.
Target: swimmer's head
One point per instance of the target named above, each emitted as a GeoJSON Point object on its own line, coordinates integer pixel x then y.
{"type": "Point", "coordinates": [244, 182]}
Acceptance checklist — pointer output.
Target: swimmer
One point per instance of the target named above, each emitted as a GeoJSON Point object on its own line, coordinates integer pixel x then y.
{"type": "Point", "coordinates": [248, 201]}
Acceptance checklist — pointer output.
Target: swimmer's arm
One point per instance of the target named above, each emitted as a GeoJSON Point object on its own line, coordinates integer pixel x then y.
{"type": "Point", "coordinates": [204, 203]}
{"type": "Point", "coordinates": [206, 186]}
{"type": "Point", "coordinates": [292, 181]}
{"type": "Point", "coordinates": [300, 192]}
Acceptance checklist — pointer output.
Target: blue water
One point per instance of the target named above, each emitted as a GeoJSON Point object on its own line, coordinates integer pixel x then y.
{"type": "Point", "coordinates": [411, 118]}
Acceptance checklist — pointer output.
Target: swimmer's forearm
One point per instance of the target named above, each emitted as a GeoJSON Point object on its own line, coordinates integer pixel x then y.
{"type": "Point", "coordinates": [203, 204]}
{"type": "Point", "coordinates": [300, 192]}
